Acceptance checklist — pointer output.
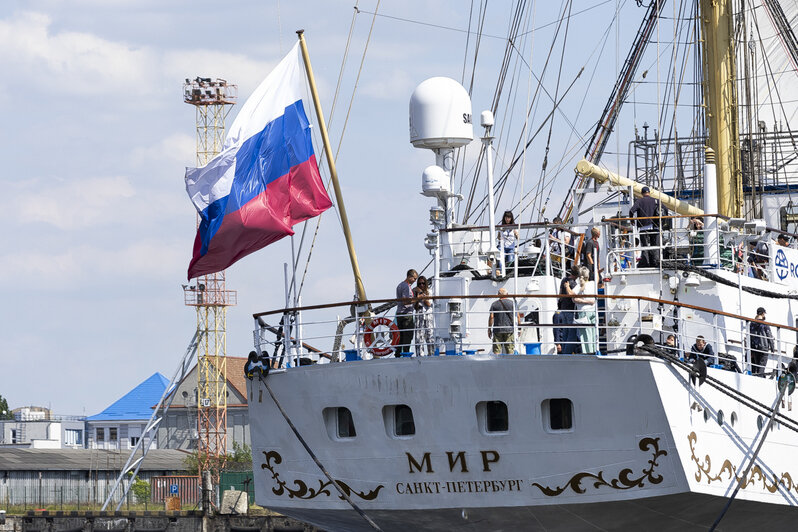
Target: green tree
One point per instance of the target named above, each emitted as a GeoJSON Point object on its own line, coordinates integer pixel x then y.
{"type": "Point", "coordinates": [141, 490]}
{"type": "Point", "coordinates": [238, 460]}
{"type": "Point", "coordinates": [5, 412]}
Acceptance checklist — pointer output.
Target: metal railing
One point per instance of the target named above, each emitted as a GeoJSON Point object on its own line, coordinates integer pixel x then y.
{"type": "Point", "coordinates": [459, 326]}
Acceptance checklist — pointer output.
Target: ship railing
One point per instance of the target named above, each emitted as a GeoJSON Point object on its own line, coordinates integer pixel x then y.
{"type": "Point", "coordinates": [458, 325]}
{"type": "Point", "coordinates": [538, 249]}
{"type": "Point", "coordinates": [706, 241]}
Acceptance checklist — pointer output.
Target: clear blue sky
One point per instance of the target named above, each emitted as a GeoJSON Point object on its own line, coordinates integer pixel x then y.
{"type": "Point", "coordinates": [97, 228]}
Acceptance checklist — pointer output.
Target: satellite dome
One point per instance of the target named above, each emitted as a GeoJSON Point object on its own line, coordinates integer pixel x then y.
{"type": "Point", "coordinates": [440, 115]}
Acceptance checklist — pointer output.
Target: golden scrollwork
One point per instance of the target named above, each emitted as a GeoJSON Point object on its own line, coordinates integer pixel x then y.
{"type": "Point", "coordinates": [303, 491]}
{"type": "Point", "coordinates": [728, 471]}
{"type": "Point", "coordinates": [624, 480]}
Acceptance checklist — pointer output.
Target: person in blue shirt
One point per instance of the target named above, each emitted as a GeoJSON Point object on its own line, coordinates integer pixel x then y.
{"type": "Point", "coordinates": [761, 339]}
{"type": "Point", "coordinates": [702, 349]}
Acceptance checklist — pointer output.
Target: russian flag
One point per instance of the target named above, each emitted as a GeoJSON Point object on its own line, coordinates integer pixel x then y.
{"type": "Point", "coordinates": [264, 181]}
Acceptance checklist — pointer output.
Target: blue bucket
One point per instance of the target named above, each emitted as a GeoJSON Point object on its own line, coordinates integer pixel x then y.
{"type": "Point", "coordinates": [452, 352]}
{"type": "Point", "coordinates": [407, 355]}
{"type": "Point", "coordinates": [532, 349]}
{"type": "Point", "coordinates": [469, 351]}
{"type": "Point", "coordinates": [351, 355]}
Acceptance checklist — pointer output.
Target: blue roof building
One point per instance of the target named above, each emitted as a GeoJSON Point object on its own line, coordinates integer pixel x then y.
{"type": "Point", "coordinates": [121, 424]}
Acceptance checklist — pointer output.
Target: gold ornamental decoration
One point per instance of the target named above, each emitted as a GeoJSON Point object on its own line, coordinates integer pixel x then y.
{"type": "Point", "coordinates": [728, 471]}
{"type": "Point", "coordinates": [303, 491]}
{"type": "Point", "coordinates": [624, 481]}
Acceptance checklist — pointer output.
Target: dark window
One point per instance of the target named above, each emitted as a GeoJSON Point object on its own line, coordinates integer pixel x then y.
{"type": "Point", "coordinates": [345, 424]}
{"type": "Point", "coordinates": [561, 414]}
{"type": "Point", "coordinates": [403, 421]}
{"type": "Point", "coordinates": [112, 434]}
{"type": "Point", "coordinates": [100, 434]}
{"type": "Point", "coordinates": [497, 420]}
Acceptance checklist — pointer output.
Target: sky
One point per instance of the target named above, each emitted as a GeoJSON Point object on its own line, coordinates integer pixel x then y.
{"type": "Point", "coordinates": [97, 227]}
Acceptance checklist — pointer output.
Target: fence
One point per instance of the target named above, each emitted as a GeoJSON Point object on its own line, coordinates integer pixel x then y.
{"type": "Point", "coordinates": [238, 480]}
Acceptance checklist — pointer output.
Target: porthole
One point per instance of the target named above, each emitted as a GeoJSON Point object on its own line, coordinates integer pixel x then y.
{"type": "Point", "coordinates": [558, 415]}
{"type": "Point", "coordinates": [399, 422]}
{"type": "Point", "coordinates": [706, 415]}
{"type": "Point", "coordinates": [339, 423]}
{"type": "Point", "coordinates": [760, 422]}
{"type": "Point", "coordinates": [492, 417]}
{"type": "Point", "coordinates": [733, 419]}
{"type": "Point", "coordinates": [720, 417]}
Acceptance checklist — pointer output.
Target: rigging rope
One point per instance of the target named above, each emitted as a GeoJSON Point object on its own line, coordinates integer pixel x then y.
{"type": "Point", "coordinates": [334, 483]}
{"type": "Point", "coordinates": [346, 119]}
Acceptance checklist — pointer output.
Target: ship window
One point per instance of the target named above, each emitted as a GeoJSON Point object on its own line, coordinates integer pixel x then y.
{"type": "Point", "coordinates": [399, 421]}
{"type": "Point", "coordinates": [706, 415]}
{"type": "Point", "coordinates": [734, 418]}
{"type": "Point", "coordinates": [720, 417]}
{"type": "Point", "coordinates": [492, 417]}
{"type": "Point", "coordinates": [559, 414]}
{"type": "Point", "coordinates": [760, 422]}
{"type": "Point", "coordinates": [339, 423]}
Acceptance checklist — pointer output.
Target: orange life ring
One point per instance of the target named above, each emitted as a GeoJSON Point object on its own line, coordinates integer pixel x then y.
{"type": "Point", "coordinates": [381, 335]}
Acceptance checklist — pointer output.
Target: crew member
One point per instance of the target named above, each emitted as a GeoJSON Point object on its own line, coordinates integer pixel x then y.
{"type": "Point", "coordinates": [404, 313]}
{"type": "Point", "coordinates": [645, 208]}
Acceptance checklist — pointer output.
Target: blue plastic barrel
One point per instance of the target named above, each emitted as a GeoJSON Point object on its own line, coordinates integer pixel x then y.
{"type": "Point", "coordinates": [532, 348]}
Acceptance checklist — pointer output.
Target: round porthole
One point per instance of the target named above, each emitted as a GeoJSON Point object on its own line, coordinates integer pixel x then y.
{"type": "Point", "coordinates": [720, 417]}
{"type": "Point", "coordinates": [706, 415]}
{"type": "Point", "coordinates": [734, 418]}
{"type": "Point", "coordinates": [760, 422]}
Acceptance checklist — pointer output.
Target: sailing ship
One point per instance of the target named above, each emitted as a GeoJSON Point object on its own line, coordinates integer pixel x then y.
{"type": "Point", "coordinates": [352, 430]}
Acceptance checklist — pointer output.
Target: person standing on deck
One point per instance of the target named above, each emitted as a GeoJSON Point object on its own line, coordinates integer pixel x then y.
{"type": "Point", "coordinates": [508, 236]}
{"type": "Point", "coordinates": [424, 320]}
{"type": "Point", "coordinates": [590, 253]}
{"type": "Point", "coordinates": [586, 311]}
{"type": "Point", "coordinates": [646, 208]}
{"type": "Point", "coordinates": [565, 337]}
{"type": "Point", "coordinates": [500, 324]}
{"type": "Point", "coordinates": [761, 343]}
{"type": "Point", "coordinates": [404, 313]}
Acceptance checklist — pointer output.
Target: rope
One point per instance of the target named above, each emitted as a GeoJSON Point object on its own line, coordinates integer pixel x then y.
{"type": "Point", "coordinates": [744, 476]}
{"type": "Point", "coordinates": [723, 388]}
{"type": "Point", "coordinates": [316, 460]}
{"type": "Point", "coordinates": [346, 119]}
{"type": "Point", "coordinates": [675, 265]}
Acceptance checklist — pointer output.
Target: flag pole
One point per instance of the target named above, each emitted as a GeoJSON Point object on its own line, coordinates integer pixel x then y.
{"type": "Point", "coordinates": [339, 199]}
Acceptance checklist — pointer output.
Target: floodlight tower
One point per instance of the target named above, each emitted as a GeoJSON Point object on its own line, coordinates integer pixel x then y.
{"type": "Point", "coordinates": [212, 100]}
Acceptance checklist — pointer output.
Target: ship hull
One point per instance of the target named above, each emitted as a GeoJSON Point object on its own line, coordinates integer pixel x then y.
{"type": "Point", "coordinates": [671, 513]}
{"type": "Point", "coordinates": [642, 448]}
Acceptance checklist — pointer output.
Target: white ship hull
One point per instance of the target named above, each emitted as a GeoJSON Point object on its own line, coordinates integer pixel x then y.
{"type": "Point", "coordinates": [645, 449]}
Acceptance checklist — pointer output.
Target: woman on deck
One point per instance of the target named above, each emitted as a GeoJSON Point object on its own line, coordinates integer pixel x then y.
{"type": "Point", "coordinates": [585, 311]}
{"type": "Point", "coordinates": [508, 236]}
{"type": "Point", "coordinates": [424, 322]}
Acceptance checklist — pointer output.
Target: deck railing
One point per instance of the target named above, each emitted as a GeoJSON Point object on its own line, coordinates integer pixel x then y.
{"type": "Point", "coordinates": [458, 326]}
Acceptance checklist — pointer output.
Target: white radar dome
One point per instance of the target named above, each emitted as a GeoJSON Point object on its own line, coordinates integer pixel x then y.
{"type": "Point", "coordinates": [434, 181]}
{"type": "Point", "coordinates": [440, 115]}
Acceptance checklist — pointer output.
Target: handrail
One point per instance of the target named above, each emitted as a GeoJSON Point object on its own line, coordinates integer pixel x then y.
{"type": "Point", "coordinates": [537, 296]}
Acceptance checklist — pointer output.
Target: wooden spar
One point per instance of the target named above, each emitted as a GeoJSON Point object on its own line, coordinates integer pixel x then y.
{"type": "Point", "coordinates": [339, 199]}
{"type": "Point", "coordinates": [720, 98]}
{"type": "Point", "coordinates": [588, 169]}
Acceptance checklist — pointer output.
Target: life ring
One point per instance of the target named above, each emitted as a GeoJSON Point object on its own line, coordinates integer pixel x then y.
{"type": "Point", "coordinates": [380, 336]}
